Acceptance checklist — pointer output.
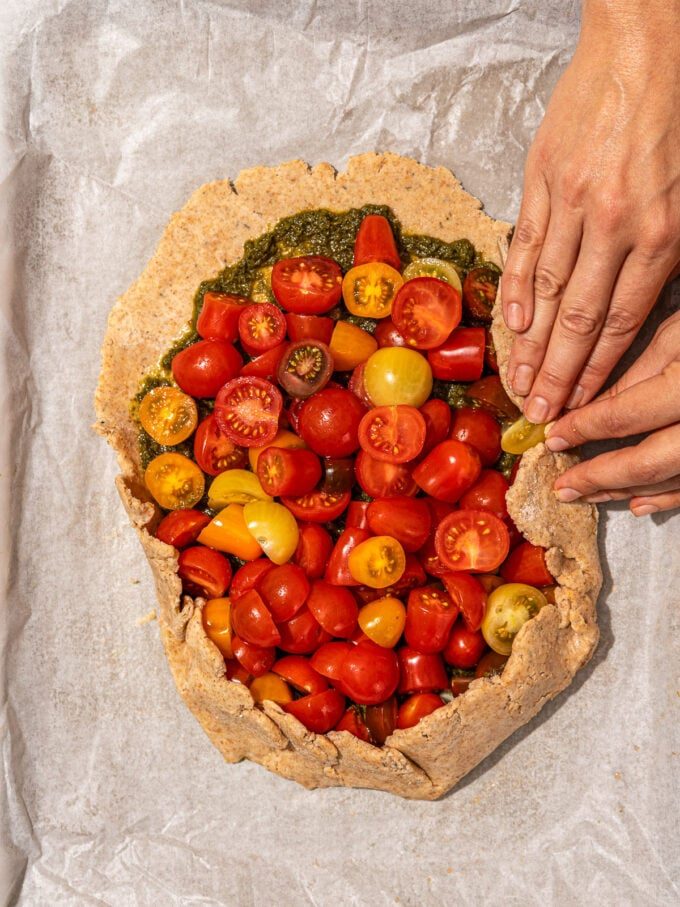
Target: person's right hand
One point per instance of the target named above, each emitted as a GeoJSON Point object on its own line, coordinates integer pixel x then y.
{"type": "Point", "coordinates": [645, 399]}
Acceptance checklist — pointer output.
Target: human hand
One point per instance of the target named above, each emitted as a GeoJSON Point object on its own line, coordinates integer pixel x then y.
{"type": "Point", "coordinates": [645, 399]}
{"type": "Point", "coordinates": [598, 233]}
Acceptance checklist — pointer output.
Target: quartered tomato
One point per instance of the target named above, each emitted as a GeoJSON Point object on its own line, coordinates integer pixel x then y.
{"type": "Point", "coordinates": [175, 481]}
{"type": "Point", "coordinates": [383, 480]}
{"type": "Point", "coordinates": [465, 647]}
{"type": "Point", "coordinates": [386, 334]}
{"type": "Point", "coordinates": [353, 722]}
{"type": "Point", "coordinates": [274, 528]}
{"type": "Point", "coordinates": [308, 285]}
{"type": "Point", "coordinates": [369, 673]}
{"type": "Point", "coordinates": [214, 451]}
{"type": "Point", "coordinates": [490, 393]}
{"type": "Point", "coordinates": [468, 593]}
{"type": "Point", "coordinates": [314, 548]}
{"type": "Point", "coordinates": [256, 660]}
{"type": "Point", "coordinates": [302, 634]}
{"type": "Point", "coordinates": [261, 327]}
{"type": "Point", "coordinates": [337, 569]}
{"type": "Point", "coordinates": [266, 365]}
{"type": "Point", "coordinates": [202, 368]}
{"type": "Point", "coordinates": [168, 415]}
{"type": "Point", "coordinates": [248, 576]}
{"type": "Point", "coordinates": [227, 531]}
{"type": "Point", "coordinates": [282, 438]}
{"type": "Point", "coordinates": [416, 707]}
{"type": "Point", "coordinates": [480, 430]}
{"type": "Point", "coordinates": [305, 368]}
{"type": "Point", "coordinates": [406, 519]}
{"type": "Point", "coordinates": [420, 672]}
{"type": "Point", "coordinates": [309, 327]}
{"type": "Point", "coordinates": [448, 471]}
{"type": "Point", "coordinates": [181, 527]}
{"type": "Point", "coordinates": [203, 572]}
{"type": "Point", "coordinates": [329, 422]}
{"type": "Point", "coordinates": [479, 293]}
{"type": "Point", "coordinates": [219, 316]}
{"type": "Point", "coordinates": [491, 665]}
{"type": "Point", "coordinates": [375, 242]}
{"type": "Point", "coordinates": [235, 486]}
{"type": "Point", "coordinates": [425, 312]}
{"type": "Point", "coordinates": [488, 493]}
{"type": "Point", "coordinates": [334, 607]}
{"type": "Point", "coordinates": [350, 346]}
{"type": "Point", "coordinates": [284, 589]}
{"type": "Point", "coordinates": [317, 506]}
{"type": "Point", "coordinates": [288, 472]}
{"type": "Point", "coordinates": [381, 719]}
{"type": "Point", "coordinates": [396, 375]}
{"type": "Point", "coordinates": [253, 621]}
{"type": "Point", "coordinates": [357, 515]}
{"type": "Point", "coordinates": [522, 435]}
{"type": "Point", "coordinates": [299, 673]}
{"type": "Point", "coordinates": [383, 621]}
{"type": "Point", "coordinates": [270, 687]}
{"type": "Point", "coordinates": [508, 609]}
{"type": "Point", "coordinates": [320, 712]}
{"type": "Point", "coordinates": [395, 434]}
{"type": "Point", "coordinates": [526, 564]}
{"type": "Point", "coordinates": [216, 618]}
{"type": "Point", "coordinates": [328, 659]}
{"type": "Point", "coordinates": [430, 614]}
{"type": "Point", "coordinates": [247, 411]}
{"type": "Point", "coordinates": [434, 267]}
{"type": "Point", "coordinates": [460, 357]}
{"type": "Point", "coordinates": [437, 415]}
{"type": "Point", "coordinates": [472, 540]}
{"type": "Point", "coordinates": [378, 562]}
{"type": "Point", "coordinates": [369, 289]}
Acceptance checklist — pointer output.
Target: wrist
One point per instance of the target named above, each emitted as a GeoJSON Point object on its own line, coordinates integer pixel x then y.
{"type": "Point", "coordinates": [638, 33]}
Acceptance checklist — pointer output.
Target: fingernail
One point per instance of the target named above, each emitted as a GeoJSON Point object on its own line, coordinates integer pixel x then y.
{"type": "Point", "coordinates": [556, 444]}
{"type": "Point", "coordinates": [566, 495]}
{"type": "Point", "coordinates": [644, 509]}
{"type": "Point", "coordinates": [515, 319]}
{"type": "Point", "coordinates": [575, 397]}
{"type": "Point", "coordinates": [537, 410]}
{"type": "Point", "coordinates": [523, 379]}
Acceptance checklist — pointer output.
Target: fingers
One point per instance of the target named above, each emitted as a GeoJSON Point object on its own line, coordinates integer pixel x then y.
{"type": "Point", "coordinates": [643, 506]}
{"type": "Point", "coordinates": [623, 494]}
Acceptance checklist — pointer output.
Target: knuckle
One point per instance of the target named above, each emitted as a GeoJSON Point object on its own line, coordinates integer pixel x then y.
{"type": "Point", "coordinates": [660, 234]}
{"type": "Point", "coordinates": [646, 468]}
{"type": "Point", "coordinates": [547, 284]}
{"type": "Point", "coordinates": [613, 420]}
{"type": "Point", "coordinates": [527, 236]}
{"type": "Point", "coordinates": [609, 210]}
{"type": "Point", "coordinates": [621, 321]}
{"type": "Point", "coordinates": [527, 349]}
{"type": "Point", "coordinates": [578, 321]}
{"type": "Point", "coordinates": [571, 187]}
{"type": "Point", "coordinates": [553, 377]}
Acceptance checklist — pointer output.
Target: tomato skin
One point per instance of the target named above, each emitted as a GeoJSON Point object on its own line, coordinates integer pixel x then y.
{"type": "Point", "coordinates": [394, 434]}
{"type": "Point", "coordinates": [381, 720]}
{"type": "Point", "coordinates": [464, 648]}
{"type": "Point", "coordinates": [338, 474]}
{"type": "Point", "coordinates": [425, 311]}
{"type": "Point", "coordinates": [309, 285]}
{"type": "Point", "coordinates": [369, 673]}
{"type": "Point", "coordinates": [527, 565]}
{"type": "Point", "coordinates": [256, 660]}
{"type": "Point", "coordinates": [490, 393]}
{"type": "Point", "coordinates": [204, 572]}
{"type": "Point", "coordinates": [448, 470]}
{"type": "Point", "coordinates": [480, 430]}
{"type": "Point", "coordinates": [309, 327]}
{"type": "Point", "coordinates": [219, 316]}
{"type": "Point", "coordinates": [329, 422]}
{"type": "Point", "coordinates": [421, 673]}
{"type": "Point", "coordinates": [334, 607]}
{"type": "Point", "coordinates": [328, 659]}
{"type": "Point", "coordinates": [357, 515]}
{"type": "Point", "coordinates": [350, 346]}
{"type": "Point", "coordinates": [266, 365]}
{"type": "Point", "coordinates": [416, 707]}
{"type": "Point", "coordinates": [248, 577]}
{"type": "Point", "coordinates": [490, 357]}
{"type": "Point", "coordinates": [288, 472]}
{"type": "Point", "coordinates": [407, 519]}
{"type": "Point", "coordinates": [317, 506]}
{"type": "Point", "coordinates": [479, 293]}
{"type": "Point", "coordinates": [319, 712]}
{"type": "Point", "coordinates": [180, 528]}
{"type": "Point", "coordinates": [313, 550]}
{"type": "Point", "coordinates": [375, 242]}
{"type": "Point", "coordinates": [387, 334]}
{"type": "Point", "coordinates": [302, 634]}
{"type": "Point", "coordinates": [337, 571]}
{"type": "Point", "coordinates": [383, 620]}
{"type": "Point", "coordinates": [270, 687]}
{"type": "Point", "coordinates": [354, 724]}
{"type": "Point", "coordinates": [469, 595]}
{"type": "Point", "coordinates": [214, 451]}
{"type": "Point", "coordinates": [430, 614]}
{"type": "Point", "coordinates": [397, 375]}
{"type": "Point", "coordinates": [299, 673]}
{"type": "Point", "coordinates": [284, 589]}
{"type": "Point", "coordinates": [473, 541]}
{"type": "Point", "coordinates": [437, 415]}
{"type": "Point", "coordinates": [488, 493]}
{"type": "Point", "coordinates": [216, 620]}
{"type": "Point", "coordinates": [357, 386]}
{"type": "Point", "coordinates": [234, 411]}
{"type": "Point", "coordinates": [202, 368]}
{"type": "Point", "coordinates": [383, 480]}
{"type": "Point", "coordinates": [236, 672]}
{"type": "Point", "coordinates": [253, 622]}
{"type": "Point", "coordinates": [491, 664]}
{"type": "Point", "coordinates": [460, 357]}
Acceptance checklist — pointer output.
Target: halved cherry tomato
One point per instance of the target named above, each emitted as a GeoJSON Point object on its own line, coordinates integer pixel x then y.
{"type": "Point", "coordinates": [202, 368]}
{"type": "Point", "coordinates": [175, 481]}
{"type": "Point", "coordinates": [434, 267]}
{"type": "Point", "coordinates": [247, 411]}
{"type": "Point", "coordinates": [353, 722]}
{"type": "Point", "coordinates": [168, 415]}
{"type": "Point", "coordinates": [350, 346]}
{"type": "Point", "coordinates": [203, 572]}
{"type": "Point", "coordinates": [421, 673]}
{"type": "Point", "coordinates": [328, 659]}
{"type": "Point", "coordinates": [317, 506]}
{"type": "Point", "coordinates": [469, 594]}
{"type": "Point", "coordinates": [465, 647]}
{"type": "Point", "coordinates": [285, 590]}
{"type": "Point", "coordinates": [266, 365]}
{"type": "Point", "coordinates": [308, 285]}
{"type": "Point", "coordinates": [396, 375]}
{"type": "Point", "coordinates": [479, 293]}
{"type": "Point", "coordinates": [214, 451]}
{"type": "Point", "coordinates": [309, 327]}
{"type": "Point", "coordinates": [383, 621]}
{"type": "Point", "coordinates": [508, 609]}
{"type": "Point", "coordinates": [406, 519]}
{"type": "Point", "coordinates": [437, 415]}
{"type": "Point", "coordinates": [472, 540]}
{"type": "Point", "coordinates": [314, 548]}
{"type": "Point", "coordinates": [305, 368]}
{"type": "Point", "coordinates": [216, 619]}
{"type": "Point", "coordinates": [526, 564]}
{"type": "Point", "coordinates": [369, 289]}
{"type": "Point", "coordinates": [490, 393]}
{"type": "Point", "coordinates": [522, 435]}
{"type": "Point", "coordinates": [227, 531]}
{"type": "Point", "coordinates": [488, 493]}
{"type": "Point", "coordinates": [320, 712]}
{"type": "Point", "coordinates": [235, 486]}
{"type": "Point", "coordinates": [334, 607]}
{"type": "Point", "coordinates": [253, 622]}
{"type": "Point", "coordinates": [270, 687]}
{"type": "Point", "coordinates": [337, 569]}
{"type": "Point", "coordinates": [288, 472]}
{"type": "Point", "coordinates": [425, 312]}
{"type": "Point", "coordinates": [248, 576]}
{"type": "Point", "coordinates": [375, 242]}
{"type": "Point", "coordinates": [299, 673]}
{"type": "Point", "coordinates": [329, 422]}
{"type": "Point", "coordinates": [412, 577]}
{"type": "Point", "coordinates": [416, 707]}
{"type": "Point", "coordinates": [181, 527]}
{"type": "Point", "coordinates": [383, 480]}
{"type": "Point", "coordinates": [430, 614]}
{"type": "Point", "coordinates": [395, 434]}
{"type": "Point", "coordinates": [261, 327]}
{"type": "Point", "coordinates": [357, 515]}
{"type": "Point", "coordinates": [491, 665]}
{"type": "Point", "coordinates": [256, 660]}
{"type": "Point", "coordinates": [381, 719]}
{"type": "Point", "coordinates": [448, 471]}
{"type": "Point", "coordinates": [386, 334]}
{"type": "Point", "coordinates": [428, 553]}
{"type": "Point", "coordinates": [378, 562]}
{"type": "Point", "coordinates": [480, 430]}
{"type": "Point", "coordinates": [219, 316]}
{"type": "Point", "coordinates": [282, 438]}
{"type": "Point", "coordinates": [274, 528]}
{"type": "Point", "coordinates": [369, 673]}
{"type": "Point", "coordinates": [302, 634]}
{"type": "Point", "coordinates": [338, 474]}
{"type": "Point", "coordinates": [460, 357]}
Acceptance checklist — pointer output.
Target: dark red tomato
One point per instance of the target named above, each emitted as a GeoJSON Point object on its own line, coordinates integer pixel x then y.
{"type": "Point", "coordinates": [219, 316]}
{"type": "Point", "coordinates": [204, 572]}
{"type": "Point", "coordinates": [460, 681]}
{"type": "Point", "coordinates": [320, 712]}
{"type": "Point", "coordinates": [309, 327]}
{"type": "Point", "coordinates": [469, 595]}
{"type": "Point", "coordinates": [248, 577]}
{"type": "Point", "coordinates": [460, 357]}
{"type": "Point", "coordinates": [305, 368]}
{"type": "Point", "coordinates": [313, 550]}
{"type": "Point", "coordinates": [338, 474]}
{"type": "Point", "coordinates": [202, 368]}
{"type": "Point", "coordinates": [465, 647]}
{"type": "Point", "coordinates": [302, 634]}
{"type": "Point", "coordinates": [284, 590]}
{"type": "Point", "coordinates": [328, 659]}
{"type": "Point", "coordinates": [381, 720]}
{"type": "Point", "coordinates": [448, 470]}
{"type": "Point", "coordinates": [337, 571]}
{"type": "Point", "coordinates": [490, 357]}
{"type": "Point", "coordinates": [395, 434]}
{"type": "Point", "coordinates": [261, 326]}
{"type": "Point", "coordinates": [488, 493]}
{"type": "Point", "coordinates": [317, 506]}
{"type": "Point", "coordinates": [526, 564]}
{"type": "Point", "coordinates": [387, 334]}
{"type": "Point", "coordinates": [425, 311]}
{"type": "Point", "coordinates": [515, 470]}
{"type": "Point", "coordinates": [416, 707]}
{"type": "Point", "coordinates": [479, 293]}
{"type": "Point", "coordinates": [516, 537]}
{"type": "Point", "coordinates": [490, 393]}
{"type": "Point", "coordinates": [421, 673]}
{"type": "Point", "coordinates": [288, 471]}
{"type": "Point", "coordinates": [491, 664]}
{"type": "Point", "coordinates": [266, 365]}
{"type": "Point", "coordinates": [329, 422]}
{"type": "Point", "coordinates": [437, 415]}
{"type": "Point", "coordinates": [369, 673]}
{"type": "Point", "coordinates": [430, 614]}
{"type": "Point", "coordinates": [375, 242]}
{"type": "Point", "coordinates": [357, 386]}
{"type": "Point", "coordinates": [472, 540]}
{"type": "Point", "coordinates": [247, 411]}
{"type": "Point", "coordinates": [256, 660]}
{"type": "Point", "coordinates": [214, 451]}
{"type": "Point", "coordinates": [252, 621]}
{"type": "Point", "coordinates": [383, 480]}
{"type": "Point", "coordinates": [308, 285]}
{"type": "Point", "coordinates": [406, 519]}
{"type": "Point", "coordinates": [334, 607]}
{"type": "Point", "coordinates": [480, 430]}
{"type": "Point", "coordinates": [357, 515]}
{"type": "Point", "coordinates": [353, 722]}
{"type": "Point", "coordinates": [298, 672]}
{"type": "Point", "coordinates": [236, 672]}
{"type": "Point", "coordinates": [181, 527]}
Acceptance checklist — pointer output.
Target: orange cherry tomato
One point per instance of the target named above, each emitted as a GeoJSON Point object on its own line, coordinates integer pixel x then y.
{"type": "Point", "coordinates": [378, 562]}
{"type": "Point", "coordinates": [216, 617]}
{"type": "Point", "coordinates": [369, 289]}
{"type": "Point", "coordinates": [175, 481]}
{"type": "Point", "coordinates": [383, 621]}
{"type": "Point", "coordinates": [228, 532]}
{"type": "Point", "coordinates": [350, 346]}
{"type": "Point", "coordinates": [168, 415]}
{"type": "Point", "coordinates": [271, 687]}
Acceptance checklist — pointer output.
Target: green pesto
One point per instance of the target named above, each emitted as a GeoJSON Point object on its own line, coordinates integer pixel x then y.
{"type": "Point", "coordinates": [453, 393]}
{"type": "Point", "coordinates": [505, 463]}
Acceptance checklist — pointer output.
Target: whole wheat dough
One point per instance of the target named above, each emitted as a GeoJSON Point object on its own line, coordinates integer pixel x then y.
{"type": "Point", "coordinates": [427, 760]}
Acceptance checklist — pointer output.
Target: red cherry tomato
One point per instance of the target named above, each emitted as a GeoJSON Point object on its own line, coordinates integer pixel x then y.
{"type": "Point", "coordinates": [421, 673]}
{"type": "Point", "coordinates": [337, 571]}
{"type": "Point", "coordinates": [204, 572]}
{"type": "Point", "coordinates": [430, 614]}
{"type": "Point", "coordinates": [488, 493]}
{"type": "Point", "coordinates": [329, 422]}
{"type": "Point", "coordinates": [460, 357]}
{"type": "Point", "coordinates": [479, 293]}
{"type": "Point", "coordinates": [387, 334]}
{"type": "Point", "coordinates": [395, 434]}
{"type": "Point", "coordinates": [334, 607]}
{"type": "Point", "coordinates": [320, 712]}
{"type": "Point", "coordinates": [248, 576]}
{"type": "Point", "coordinates": [288, 471]}
{"type": "Point", "coordinates": [252, 621]}
{"type": "Point", "coordinates": [375, 242]}
{"type": "Point", "coordinates": [214, 451]}
{"type": "Point", "coordinates": [202, 368]}
{"type": "Point", "coordinates": [381, 720]}
{"type": "Point", "coordinates": [328, 659]}
{"type": "Point", "coordinates": [464, 648]}
{"type": "Point", "coordinates": [425, 311]}
{"type": "Point", "coordinates": [307, 286]}
{"type": "Point", "coordinates": [357, 386]}
{"type": "Point", "coordinates": [256, 660]}
{"type": "Point", "coordinates": [313, 550]}
{"type": "Point", "coordinates": [302, 634]}
{"type": "Point", "coordinates": [261, 326]}
{"type": "Point", "coordinates": [383, 480]}
{"type": "Point", "coordinates": [490, 357]}
{"type": "Point", "coordinates": [181, 527]}
{"type": "Point", "coordinates": [353, 722]}
{"type": "Point", "coordinates": [298, 672]}
{"type": "Point", "coordinates": [480, 430]}
{"type": "Point", "coordinates": [448, 471]}
{"type": "Point", "coordinates": [406, 519]}
{"type": "Point", "coordinates": [357, 515]}
{"type": "Point", "coordinates": [437, 415]}
{"type": "Point", "coordinates": [219, 316]}
{"type": "Point", "coordinates": [247, 411]}
{"type": "Point", "coordinates": [369, 673]}
{"type": "Point", "coordinates": [309, 327]}
{"type": "Point", "coordinates": [526, 564]}
{"type": "Point", "coordinates": [317, 506]}
{"type": "Point", "coordinates": [490, 393]}
{"type": "Point", "coordinates": [469, 595]}
{"type": "Point", "coordinates": [472, 540]}
{"type": "Point", "coordinates": [236, 672]}
{"type": "Point", "coordinates": [285, 590]}
{"type": "Point", "coordinates": [266, 365]}
{"type": "Point", "coordinates": [416, 707]}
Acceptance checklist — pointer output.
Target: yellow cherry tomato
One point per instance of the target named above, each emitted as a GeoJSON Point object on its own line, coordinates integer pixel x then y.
{"type": "Point", "coordinates": [235, 486]}
{"type": "Point", "coordinates": [350, 346]}
{"type": "Point", "coordinates": [275, 529]}
{"type": "Point", "coordinates": [228, 532]}
{"type": "Point", "coordinates": [283, 439]}
{"type": "Point", "coordinates": [216, 618]}
{"type": "Point", "coordinates": [377, 562]}
{"type": "Point", "coordinates": [434, 267]}
{"type": "Point", "coordinates": [508, 608]}
{"type": "Point", "coordinates": [369, 290]}
{"type": "Point", "coordinates": [272, 687]}
{"type": "Point", "coordinates": [522, 435]}
{"type": "Point", "coordinates": [168, 415]}
{"type": "Point", "coordinates": [175, 481]}
{"type": "Point", "coordinates": [395, 375]}
{"type": "Point", "coordinates": [383, 621]}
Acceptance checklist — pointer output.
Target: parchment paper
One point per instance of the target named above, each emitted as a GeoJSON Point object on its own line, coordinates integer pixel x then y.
{"type": "Point", "coordinates": [110, 115]}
